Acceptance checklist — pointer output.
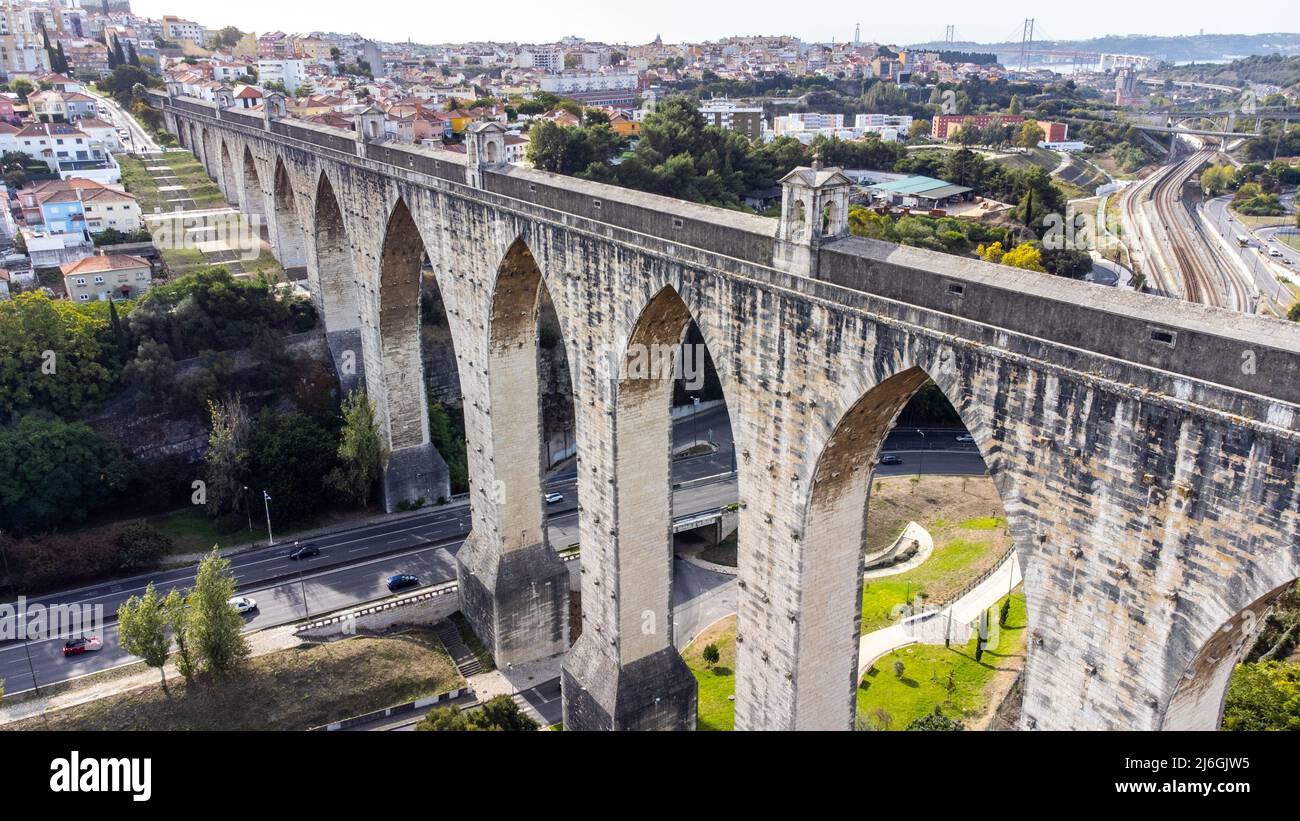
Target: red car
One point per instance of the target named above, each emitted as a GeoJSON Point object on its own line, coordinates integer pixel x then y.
{"type": "Point", "coordinates": [75, 647]}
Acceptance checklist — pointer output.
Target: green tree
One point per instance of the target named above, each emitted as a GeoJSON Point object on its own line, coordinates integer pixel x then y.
{"type": "Point", "coordinates": [176, 612]}
{"type": "Point", "coordinates": [1294, 313]}
{"type": "Point", "coordinates": [1030, 134]}
{"type": "Point", "coordinates": [711, 654]}
{"type": "Point", "coordinates": [152, 371]}
{"type": "Point", "coordinates": [214, 627]}
{"type": "Point", "coordinates": [1263, 696]}
{"type": "Point", "coordinates": [288, 456]}
{"type": "Point", "coordinates": [140, 546]}
{"type": "Point", "coordinates": [449, 440]}
{"type": "Point", "coordinates": [227, 456]}
{"type": "Point", "coordinates": [230, 36]}
{"type": "Point", "coordinates": [445, 719]}
{"type": "Point", "coordinates": [499, 714]}
{"type": "Point", "coordinates": [362, 453]}
{"type": "Point", "coordinates": [1218, 179]}
{"type": "Point", "coordinates": [54, 473]}
{"type": "Point", "coordinates": [54, 356]}
{"type": "Point", "coordinates": [935, 722]}
{"type": "Point", "coordinates": [142, 629]}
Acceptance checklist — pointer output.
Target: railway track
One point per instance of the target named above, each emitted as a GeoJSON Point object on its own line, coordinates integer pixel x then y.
{"type": "Point", "coordinates": [1180, 256]}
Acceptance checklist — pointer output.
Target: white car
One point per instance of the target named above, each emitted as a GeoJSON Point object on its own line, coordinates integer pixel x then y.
{"type": "Point", "coordinates": [552, 498]}
{"type": "Point", "coordinates": [1273, 252]}
{"type": "Point", "coordinates": [965, 437]}
{"type": "Point", "coordinates": [242, 604]}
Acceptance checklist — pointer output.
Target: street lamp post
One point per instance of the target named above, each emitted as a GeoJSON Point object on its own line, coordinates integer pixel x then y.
{"type": "Point", "coordinates": [266, 502]}
{"type": "Point", "coordinates": [248, 509]}
{"type": "Point", "coordinates": [920, 461]}
{"type": "Point", "coordinates": [695, 406]}
{"type": "Point", "coordinates": [302, 587]}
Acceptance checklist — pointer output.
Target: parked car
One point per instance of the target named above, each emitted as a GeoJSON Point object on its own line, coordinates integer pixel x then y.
{"type": "Point", "coordinates": [89, 644]}
{"type": "Point", "coordinates": [553, 497]}
{"type": "Point", "coordinates": [242, 604]}
{"type": "Point", "coordinates": [891, 459]}
{"type": "Point", "coordinates": [305, 551]}
{"type": "Point", "coordinates": [965, 437]}
{"type": "Point", "coordinates": [401, 581]}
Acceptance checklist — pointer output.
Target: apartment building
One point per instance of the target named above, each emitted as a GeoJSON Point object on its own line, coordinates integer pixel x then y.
{"type": "Point", "coordinates": [727, 114]}
{"type": "Point", "coordinates": [291, 73]}
{"type": "Point", "coordinates": [275, 45]}
{"type": "Point", "coordinates": [593, 88]}
{"type": "Point", "coordinates": [22, 53]}
{"type": "Point", "coordinates": [176, 29]}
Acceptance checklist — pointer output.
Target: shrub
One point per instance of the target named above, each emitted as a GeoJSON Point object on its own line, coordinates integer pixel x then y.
{"type": "Point", "coordinates": [140, 546]}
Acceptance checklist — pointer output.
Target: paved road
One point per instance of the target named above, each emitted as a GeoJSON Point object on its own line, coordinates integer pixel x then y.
{"type": "Point", "coordinates": [1253, 260]}
{"type": "Point", "coordinates": [138, 141]}
{"type": "Point", "coordinates": [354, 562]}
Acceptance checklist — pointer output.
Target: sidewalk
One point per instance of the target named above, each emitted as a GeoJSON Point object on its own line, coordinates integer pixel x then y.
{"type": "Point", "coordinates": [964, 611]}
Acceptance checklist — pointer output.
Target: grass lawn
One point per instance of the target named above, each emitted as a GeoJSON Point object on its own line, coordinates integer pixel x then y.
{"type": "Point", "coordinates": [1261, 222]}
{"type": "Point", "coordinates": [293, 689]}
{"type": "Point", "coordinates": [140, 183]}
{"type": "Point", "coordinates": [716, 710]}
{"type": "Point", "coordinates": [928, 670]}
{"type": "Point", "coordinates": [193, 532]}
{"type": "Point", "coordinates": [966, 520]}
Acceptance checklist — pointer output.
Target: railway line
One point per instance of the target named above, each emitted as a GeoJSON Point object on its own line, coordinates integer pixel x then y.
{"type": "Point", "coordinates": [1178, 253]}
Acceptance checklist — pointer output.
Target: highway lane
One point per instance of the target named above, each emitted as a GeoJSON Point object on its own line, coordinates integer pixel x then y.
{"type": "Point", "coordinates": [355, 562]}
{"type": "Point", "coordinates": [1262, 269]}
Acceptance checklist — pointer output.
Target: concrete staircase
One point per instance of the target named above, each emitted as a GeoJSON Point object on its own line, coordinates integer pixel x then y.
{"type": "Point", "coordinates": [464, 659]}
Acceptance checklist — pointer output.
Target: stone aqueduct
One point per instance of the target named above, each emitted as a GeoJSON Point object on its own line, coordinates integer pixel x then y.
{"type": "Point", "coordinates": [1146, 450]}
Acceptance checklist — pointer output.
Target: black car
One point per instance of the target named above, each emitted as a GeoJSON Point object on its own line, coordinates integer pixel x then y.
{"type": "Point", "coordinates": [890, 459]}
{"type": "Point", "coordinates": [305, 551]}
{"type": "Point", "coordinates": [401, 581]}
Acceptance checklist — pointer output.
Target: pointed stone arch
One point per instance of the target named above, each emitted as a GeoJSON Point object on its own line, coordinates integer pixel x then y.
{"type": "Point", "coordinates": [830, 546]}
{"type": "Point", "coordinates": [252, 194]}
{"type": "Point", "coordinates": [1201, 692]}
{"type": "Point", "coordinates": [508, 572]}
{"type": "Point", "coordinates": [335, 279]}
{"type": "Point", "coordinates": [415, 470]}
{"type": "Point", "coordinates": [641, 682]}
{"type": "Point", "coordinates": [229, 188]}
{"type": "Point", "coordinates": [289, 239]}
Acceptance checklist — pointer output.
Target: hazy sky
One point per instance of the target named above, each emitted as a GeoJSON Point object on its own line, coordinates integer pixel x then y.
{"type": "Point", "coordinates": [681, 20]}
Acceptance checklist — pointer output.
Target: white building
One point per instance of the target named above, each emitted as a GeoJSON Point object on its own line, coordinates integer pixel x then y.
{"type": "Point", "coordinates": [584, 82]}
{"type": "Point", "coordinates": [291, 73]}
{"type": "Point", "coordinates": [174, 28]}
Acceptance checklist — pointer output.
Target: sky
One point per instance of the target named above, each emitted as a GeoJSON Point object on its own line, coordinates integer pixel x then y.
{"type": "Point", "coordinates": [543, 21]}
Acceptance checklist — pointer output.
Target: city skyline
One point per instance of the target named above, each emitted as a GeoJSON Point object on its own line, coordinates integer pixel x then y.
{"type": "Point", "coordinates": [678, 21]}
